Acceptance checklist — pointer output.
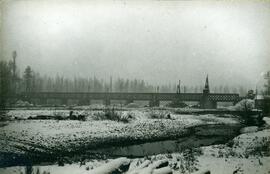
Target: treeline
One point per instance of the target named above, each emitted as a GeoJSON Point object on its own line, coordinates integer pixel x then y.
{"type": "Point", "coordinates": [34, 82]}
{"type": "Point", "coordinates": [11, 82]}
{"type": "Point", "coordinates": [5, 82]}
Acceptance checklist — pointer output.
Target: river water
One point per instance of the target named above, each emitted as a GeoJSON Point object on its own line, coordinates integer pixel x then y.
{"type": "Point", "coordinates": [132, 151]}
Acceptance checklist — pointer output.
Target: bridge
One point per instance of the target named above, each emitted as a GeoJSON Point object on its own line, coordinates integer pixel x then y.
{"type": "Point", "coordinates": [206, 99]}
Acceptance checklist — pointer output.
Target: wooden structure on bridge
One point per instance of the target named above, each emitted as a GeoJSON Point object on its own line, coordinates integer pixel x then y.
{"type": "Point", "coordinates": [206, 99]}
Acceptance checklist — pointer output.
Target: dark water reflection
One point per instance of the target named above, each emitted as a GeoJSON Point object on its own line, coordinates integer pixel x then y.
{"type": "Point", "coordinates": [199, 136]}
{"type": "Point", "coordinates": [160, 147]}
{"type": "Point", "coordinates": [141, 150]}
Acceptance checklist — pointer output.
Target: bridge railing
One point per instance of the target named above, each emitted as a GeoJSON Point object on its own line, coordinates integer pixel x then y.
{"type": "Point", "coordinates": [217, 97]}
{"type": "Point", "coordinates": [223, 97]}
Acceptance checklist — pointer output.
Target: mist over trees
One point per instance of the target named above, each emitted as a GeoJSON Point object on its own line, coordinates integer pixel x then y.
{"type": "Point", "coordinates": [267, 84]}
{"type": "Point", "coordinates": [5, 82]}
{"type": "Point", "coordinates": [11, 82]}
{"type": "Point", "coordinates": [34, 82]}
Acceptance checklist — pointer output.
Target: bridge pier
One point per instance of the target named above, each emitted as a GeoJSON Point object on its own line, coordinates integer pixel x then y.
{"type": "Point", "coordinates": [42, 101]}
{"type": "Point", "coordinates": [106, 101]}
{"type": "Point", "coordinates": [129, 101]}
{"type": "Point", "coordinates": [235, 102]}
{"type": "Point", "coordinates": [35, 101]}
{"type": "Point", "coordinates": [206, 103]}
{"type": "Point", "coordinates": [153, 103]}
{"type": "Point", "coordinates": [84, 102]}
{"type": "Point", "coordinates": [64, 101]}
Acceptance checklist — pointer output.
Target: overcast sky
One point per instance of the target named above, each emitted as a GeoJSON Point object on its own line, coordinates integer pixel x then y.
{"type": "Point", "coordinates": [159, 41]}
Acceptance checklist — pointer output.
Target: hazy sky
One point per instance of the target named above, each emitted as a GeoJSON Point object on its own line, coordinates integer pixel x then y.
{"type": "Point", "coordinates": [159, 41]}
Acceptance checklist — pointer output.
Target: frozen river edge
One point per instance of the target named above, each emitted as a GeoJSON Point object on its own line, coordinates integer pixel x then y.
{"type": "Point", "coordinates": [38, 141]}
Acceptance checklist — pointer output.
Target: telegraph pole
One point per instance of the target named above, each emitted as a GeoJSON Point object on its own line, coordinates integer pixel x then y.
{"type": "Point", "coordinates": [14, 56]}
{"type": "Point", "coordinates": [267, 77]}
{"type": "Point", "coordinates": [110, 90]}
{"type": "Point", "coordinates": [178, 91]}
{"type": "Point", "coordinates": [14, 78]}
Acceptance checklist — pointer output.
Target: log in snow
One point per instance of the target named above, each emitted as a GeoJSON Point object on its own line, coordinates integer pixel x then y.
{"type": "Point", "coordinates": [117, 165]}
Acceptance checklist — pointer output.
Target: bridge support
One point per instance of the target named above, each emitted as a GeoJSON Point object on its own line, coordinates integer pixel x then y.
{"type": "Point", "coordinates": [129, 101]}
{"type": "Point", "coordinates": [106, 101]}
{"type": "Point", "coordinates": [35, 101]}
{"type": "Point", "coordinates": [153, 103]}
{"type": "Point", "coordinates": [84, 102]}
{"type": "Point", "coordinates": [43, 101]}
{"type": "Point", "coordinates": [235, 102]}
{"type": "Point", "coordinates": [64, 101]}
{"type": "Point", "coordinates": [205, 103]}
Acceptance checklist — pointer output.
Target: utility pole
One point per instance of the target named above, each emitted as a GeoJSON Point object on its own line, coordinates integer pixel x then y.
{"type": "Point", "coordinates": [267, 77]}
{"type": "Point", "coordinates": [14, 78]}
{"type": "Point", "coordinates": [14, 55]}
{"type": "Point", "coordinates": [110, 84]}
{"type": "Point", "coordinates": [178, 91]}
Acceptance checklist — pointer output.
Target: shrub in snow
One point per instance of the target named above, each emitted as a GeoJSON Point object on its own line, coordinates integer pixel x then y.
{"type": "Point", "coordinates": [4, 116]}
{"type": "Point", "coordinates": [177, 104]}
{"type": "Point", "coordinates": [154, 114]}
{"type": "Point", "coordinates": [112, 114]}
{"type": "Point", "coordinates": [132, 105]}
{"type": "Point", "coordinates": [249, 129]}
{"type": "Point", "coordinates": [250, 118]}
{"type": "Point", "coordinates": [244, 105]}
{"type": "Point", "coordinates": [98, 115]}
{"type": "Point", "coordinates": [21, 103]}
{"type": "Point", "coordinates": [187, 161]}
{"type": "Point", "coordinates": [128, 116]}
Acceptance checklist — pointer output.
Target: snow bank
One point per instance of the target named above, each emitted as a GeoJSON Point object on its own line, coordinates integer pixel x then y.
{"type": "Point", "coordinates": [115, 166]}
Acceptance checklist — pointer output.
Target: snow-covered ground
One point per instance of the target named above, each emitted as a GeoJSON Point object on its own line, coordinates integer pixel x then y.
{"type": "Point", "coordinates": [238, 157]}
{"type": "Point", "coordinates": [246, 153]}
{"type": "Point", "coordinates": [68, 135]}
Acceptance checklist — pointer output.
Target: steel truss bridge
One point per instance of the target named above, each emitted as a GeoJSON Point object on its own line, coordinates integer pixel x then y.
{"type": "Point", "coordinates": [206, 100]}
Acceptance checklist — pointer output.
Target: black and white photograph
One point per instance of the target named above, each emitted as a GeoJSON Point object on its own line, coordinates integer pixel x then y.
{"type": "Point", "coordinates": [134, 87]}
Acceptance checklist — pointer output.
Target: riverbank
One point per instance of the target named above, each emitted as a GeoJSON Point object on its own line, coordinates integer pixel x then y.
{"type": "Point", "coordinates": [247, 153]}
{"type": "Point", "coordinates": [35, 141]}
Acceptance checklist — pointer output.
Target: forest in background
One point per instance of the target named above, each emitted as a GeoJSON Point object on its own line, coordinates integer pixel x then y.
{"type": "Point", "coordinates": [12, 82]}
{"type": "Point", "coordinates": [32, 81]}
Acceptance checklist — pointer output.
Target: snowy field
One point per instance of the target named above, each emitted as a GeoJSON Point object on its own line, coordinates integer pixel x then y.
{"type": "Point", "coordinates": [246, 153]}
{"type": "Point", "coordinates": [240, 156]}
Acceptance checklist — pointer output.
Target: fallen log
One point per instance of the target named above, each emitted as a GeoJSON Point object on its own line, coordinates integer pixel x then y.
{"type": "Point", "coordinates": [203, 172]}
{"type": "Point", "coordinates": [119, 166]}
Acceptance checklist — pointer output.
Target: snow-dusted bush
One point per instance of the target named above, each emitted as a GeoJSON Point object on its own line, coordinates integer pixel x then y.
{"type": "Point", "coordinates": [157, 114]}
{"type": "Point", "coordinates": [132, 105]}
{"type": "Point", "coordinates": [244, 105]}
{"type": "Point", "coordinates": [112, 114]}
{"type": "Point", "coordinates": [177, 104]}
{"type": "Point", "coordinates": [187, 161]}
{"type": "Point", "coordinates": [252, 144]}
{"type": "Point", "coordinates": [21, 103]}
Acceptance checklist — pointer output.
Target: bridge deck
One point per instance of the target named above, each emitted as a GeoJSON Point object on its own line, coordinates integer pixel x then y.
{"type": "Point", "coordinates": [217, 97]}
